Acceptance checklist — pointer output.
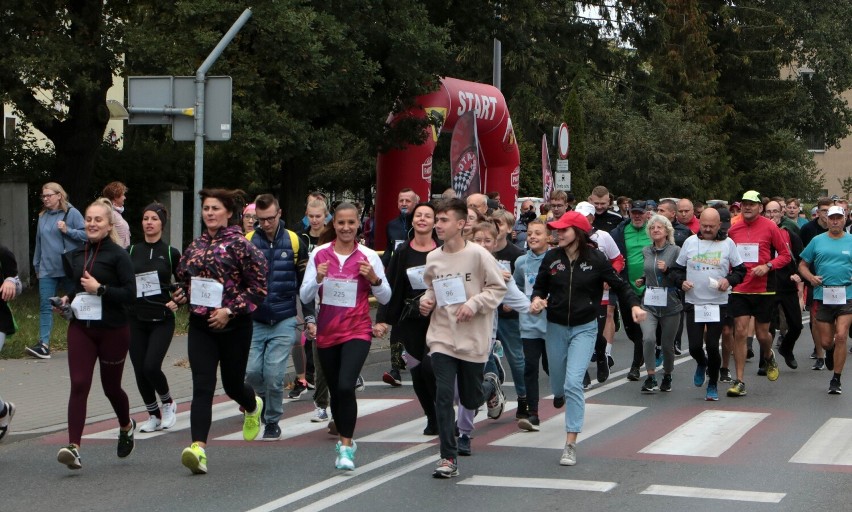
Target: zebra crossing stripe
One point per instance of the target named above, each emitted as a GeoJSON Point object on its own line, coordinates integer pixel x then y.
{"type": "Point", "coordinates": [220, 411]}
{"type": "Point", "coordinates": [411, 431]}
{"type": "Point", "coordinates": [539, 483]}
{"type": "Point", "coordinates": [831, 444]}
{"type": "Point", "coordinates": [714, 494]}
{"type": "Point", "coordinates": [709, 434]}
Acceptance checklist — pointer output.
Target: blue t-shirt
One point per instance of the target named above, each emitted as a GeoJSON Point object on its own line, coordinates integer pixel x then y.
{"type": "Point", "coordinates": [832, 259]}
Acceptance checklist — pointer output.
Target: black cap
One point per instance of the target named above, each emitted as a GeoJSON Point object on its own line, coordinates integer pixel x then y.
{"type": "Point", "coordinates": [638, 206]}
{"type": "Point", "coordinates": [724, 216]}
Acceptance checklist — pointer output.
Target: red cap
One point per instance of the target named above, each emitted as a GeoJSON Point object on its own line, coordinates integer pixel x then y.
{"type": "Point", "coordinates": [571, 218]}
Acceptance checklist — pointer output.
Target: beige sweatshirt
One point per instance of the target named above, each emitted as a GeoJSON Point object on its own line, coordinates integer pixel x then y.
{"type": "Point", "coordinates": [484, 290]}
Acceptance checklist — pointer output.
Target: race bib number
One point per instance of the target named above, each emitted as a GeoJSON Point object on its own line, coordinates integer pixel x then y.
{"type": "Point", "coordinates": [834, 295]}
{"type": "Point", "coordinates": [748, 252]}
{"type": "Point", "coordinates": [206, 292]}
{"type": "Point", "coordinates": [415, 277]}
{"type": "Point", "coordinates": [449, 290]}
{"type": "Point", "coordinates": [87, 306]}
{"type": "Point", "coordinates": [707, 313]}
{"type": "Point", "coordinates": [529, 282]}
{"type": "Point", "coordinates": [147, 284]}
{"type": "Point", "coordinates": [339, 292]}
{"type": "Point", "coordinates": [655, 296]}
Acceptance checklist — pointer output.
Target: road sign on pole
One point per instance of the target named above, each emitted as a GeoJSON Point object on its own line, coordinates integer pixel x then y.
{"type": "Point", "coordinates": [563, 181]}
{"type": "Point", "coordinates": [564, 139]}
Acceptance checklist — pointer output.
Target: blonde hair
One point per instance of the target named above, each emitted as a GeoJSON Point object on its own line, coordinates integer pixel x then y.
{"type": "Point", "coordinates": [107, 205]}
{"type": "Point", "coordinates": [317, 203]}
{"type": "Point", "coordinates": [63, 196]}
{"type": "Point", "coordinates": [663, 221]}
{"type": "Point", "coordinates": [504, 215]}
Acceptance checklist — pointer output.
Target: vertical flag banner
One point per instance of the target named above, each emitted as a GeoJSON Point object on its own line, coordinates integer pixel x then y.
{"type": "Point", "coordinates": [546, 175]}
{"type": "Point", "coordinates": [464, 155]}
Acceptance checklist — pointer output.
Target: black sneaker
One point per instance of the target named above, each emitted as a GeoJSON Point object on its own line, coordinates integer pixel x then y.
{"type": "Point", "coordinates": [39, 350]}
{"type": "Point", "coordinates": [393, 378]}
{"type": "Point", "coordinates": [650, 385]}
{"type": "Point", "coordinates": [829, 358]}
{"type": "Point", "coordinates": [633, 374]}
{"type": "Point", "coordinates": [761, 367]}
{"type": "Point", "coordinates": [834, 387]}
{"type": "Point", "coordinates": [819, 364]}
{"type": "Point", "coordinates": [603, 369]}
{"type": "Point", "coordinates": [530, 424]}
{"type": "Point", "coordinates": [558, 402]}
{"type": "Point", "coordinates": [587, 381]}
{"type": "Point", "coordinates": [678, 351]}
{"type": "Point", "coordinates": [814, 354]}
{"type": "Point", "coordinates": [271, 432]}
{"type": "Point", "coordinates": [725, 375]}
{"type": "Point", "coordinates": [431, 428]}
{"type": "Point", "coordinates": [464, 444]}
{"type": "Point", "coordinates": [749, 353]}
{"type": "Point", "coordinates": [125, 440]}
{"type": "Point", "coordinates": [789, 359]}
{"type": "Point", "coordinates": [666, 385]}
{"type": "Point", "coordinates": [300, 387]}
{"type": "Point", "coordinates": [610, 361]}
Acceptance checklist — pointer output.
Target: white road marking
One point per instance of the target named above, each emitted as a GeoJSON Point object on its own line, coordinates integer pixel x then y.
{"type": "Point", "coordinates": [709, 434]}
{"type": "Point", "coordinates": [301, 424]}
{"type": "Point", "coordinates": [831, 444]}
{"type": "Point", "coordinates": [220, 411]}
{"type": "Point", "coordinates": [599, 417]}
{"type": "Point", "coordinates": [540, 483]}
{"type": "Point", "coordinates": [715, 494]}
{"type": "Point", "coordinates": [412, 431]}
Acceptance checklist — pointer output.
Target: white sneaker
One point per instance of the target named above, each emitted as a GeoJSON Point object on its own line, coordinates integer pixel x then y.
{"type": "Point", "coordinates": [169, 412]}
{"type": "Point", "coordinates": [152, 425]}
{"type": "Point", "coordinates": [320, 416]}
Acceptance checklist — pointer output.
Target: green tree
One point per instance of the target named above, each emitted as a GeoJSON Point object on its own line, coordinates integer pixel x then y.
{"type": "Point", "coordinates": [581, 182]}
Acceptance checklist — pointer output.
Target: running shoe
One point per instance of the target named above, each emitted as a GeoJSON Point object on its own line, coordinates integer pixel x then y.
{"type": "Point", "coordinates": [749, 353]}
{"type": "Point", "coordinates": [169, 412]}
{"type": "Point", "coordinates": [650, 385]}
{"type": "Point", "coordinates": [523, 410]}
{"type": "Point", "coordinates": [530, 424]}
{"type": "Point", "coordinates": [70, 456]}
{"type": "Point", "coordinates": [195, 458]}
{"type": "Point", "coordinates": [431, 428]}
{"type": "Point", "coordinates": [6, 420]}
{"type": "Point", "coordinates": [737, 389]}
{"type": "Point", "coordinates": [300, 387]}
{"type": "Point", "coordinates": [712, 393]}
{"type": "Point", "coordinates": [464, 444]}
{"type": "Point", "coordinates": [761, 368]}
{"type": "Point", "coordinates": [271, 432]}
{"type": "Point", "coordinates": [393, 378]}
{"type": "Point", "coordinates": [359, 384]}
{"type": "Point", "coordinates": [251, 421]}
{"type": "Point", "coordinates": [152, 425]}
{"type": "Point", "coordinates": [569, 455]}
{"type": "Point", "coordinates": [447, 468]}
{"type": "Point", "coordinates": [772, 372]}
{"type": "Point", "coordinates": [633, 374]}
{"type": "Point", "coordinates": [819, 364]}
{"type": "Point", "coordinates": [813, 354]}
{"type": "Point", "coordinates": [789, 359]}
{"type": "Point", "coordinates": [345, 456]}
{"type": "Point", "coordinates": [829, 358]}
{"type": "Point", "coordinates": [558, 402]}
{"type": "Point", "coordinates": [834, 387]}
{"type": "Point", "coordinates": [40, 351]}
{"type": "Point", "coordinates": [320, 415]}
{"type": "Point", "coordinates": [497, 401]}
{"type": "Point", "coordinates": [125, 440]}
{"type": "Point", "coordinates": [678, 351]}
{"type": "Point", "coordinates": [666, 384]}
{"type": "Point", "coordinates": [610, 361]}
{"type": "Point", "coordinates": [332, 428]}
{"type": "Point", "coordinates": [725, 375]}
{"type": "Point", "coordinates": [501, 372]}
{"type": "Point", "coordinates": [603, 369]}
{"type": "Point", "coordinates": [700, 373]}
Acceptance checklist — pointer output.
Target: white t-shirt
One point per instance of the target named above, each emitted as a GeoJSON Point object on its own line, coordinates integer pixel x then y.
{"type": "Point", "coordinates": [705, 260]}
{"type": "Point", "coordinates": [606, 244]}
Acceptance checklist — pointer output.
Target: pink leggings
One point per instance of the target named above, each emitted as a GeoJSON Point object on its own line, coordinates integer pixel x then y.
{"type": "Point", "coordinates": [108, 346]}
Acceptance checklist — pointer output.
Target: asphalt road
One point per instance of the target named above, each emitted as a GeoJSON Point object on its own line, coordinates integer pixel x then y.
{"type": "Point", "coordinates": [785, 446]}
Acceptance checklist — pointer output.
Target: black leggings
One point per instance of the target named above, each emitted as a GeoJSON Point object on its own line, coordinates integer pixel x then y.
{"type": "Point", "coordinates": [208, 350]}
{"type": "Point", "coordinates": [341, 365]}
{"type": "Point", "coordinates": [413, 335]}
{"type": "Point", "coordinates": [534, 349]}
{"type": "Point", "coordinates": [701, 333]}
{"type": "Point", "coordinates": [149, 342]}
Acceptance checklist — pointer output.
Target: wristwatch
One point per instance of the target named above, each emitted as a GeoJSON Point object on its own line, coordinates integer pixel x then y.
{"type": "Point", "coordinates": [769, 265]}
{"type": "Point", "coordinates": [101, 290]}
{"type": "Point", "coordinates": [231, 314]}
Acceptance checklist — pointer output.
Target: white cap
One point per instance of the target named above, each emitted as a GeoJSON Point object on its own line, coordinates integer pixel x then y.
{"type": "Point", "coordinates": [836, 210]}
{"type": "Point", "coordinates": [585, 208]}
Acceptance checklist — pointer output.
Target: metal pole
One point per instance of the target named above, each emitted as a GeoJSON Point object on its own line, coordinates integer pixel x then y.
{"type": "Point", "coordinates": [200, 81]}
{"type": "Point", "coordinates": [497, 73]}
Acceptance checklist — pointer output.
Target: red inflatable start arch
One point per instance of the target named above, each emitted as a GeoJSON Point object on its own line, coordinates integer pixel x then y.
{"type": "Point", "coordinates": [411, 167]}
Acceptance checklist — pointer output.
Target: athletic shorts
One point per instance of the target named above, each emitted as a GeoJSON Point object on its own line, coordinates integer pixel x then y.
{"type": "Point", "coordinates": [758, 306]}
{"type": "Point", "coordinates": [829, 313]}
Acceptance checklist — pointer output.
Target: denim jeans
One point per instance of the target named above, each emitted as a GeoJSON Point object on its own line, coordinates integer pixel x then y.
{"type": "Point", "coordinates": [509, 333]}
{"type": "Point", "coordinates": [267, 364]}
{"type": "Point", "coordinates": [46, 289]}
{"type": "Point", "coordinates": [569, 350]}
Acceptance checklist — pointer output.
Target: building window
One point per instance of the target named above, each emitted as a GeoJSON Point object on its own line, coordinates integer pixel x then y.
{"type": "Point", "coordinates": [9, 128]}
{"type": "Point", "coordinates": [815, 142]}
